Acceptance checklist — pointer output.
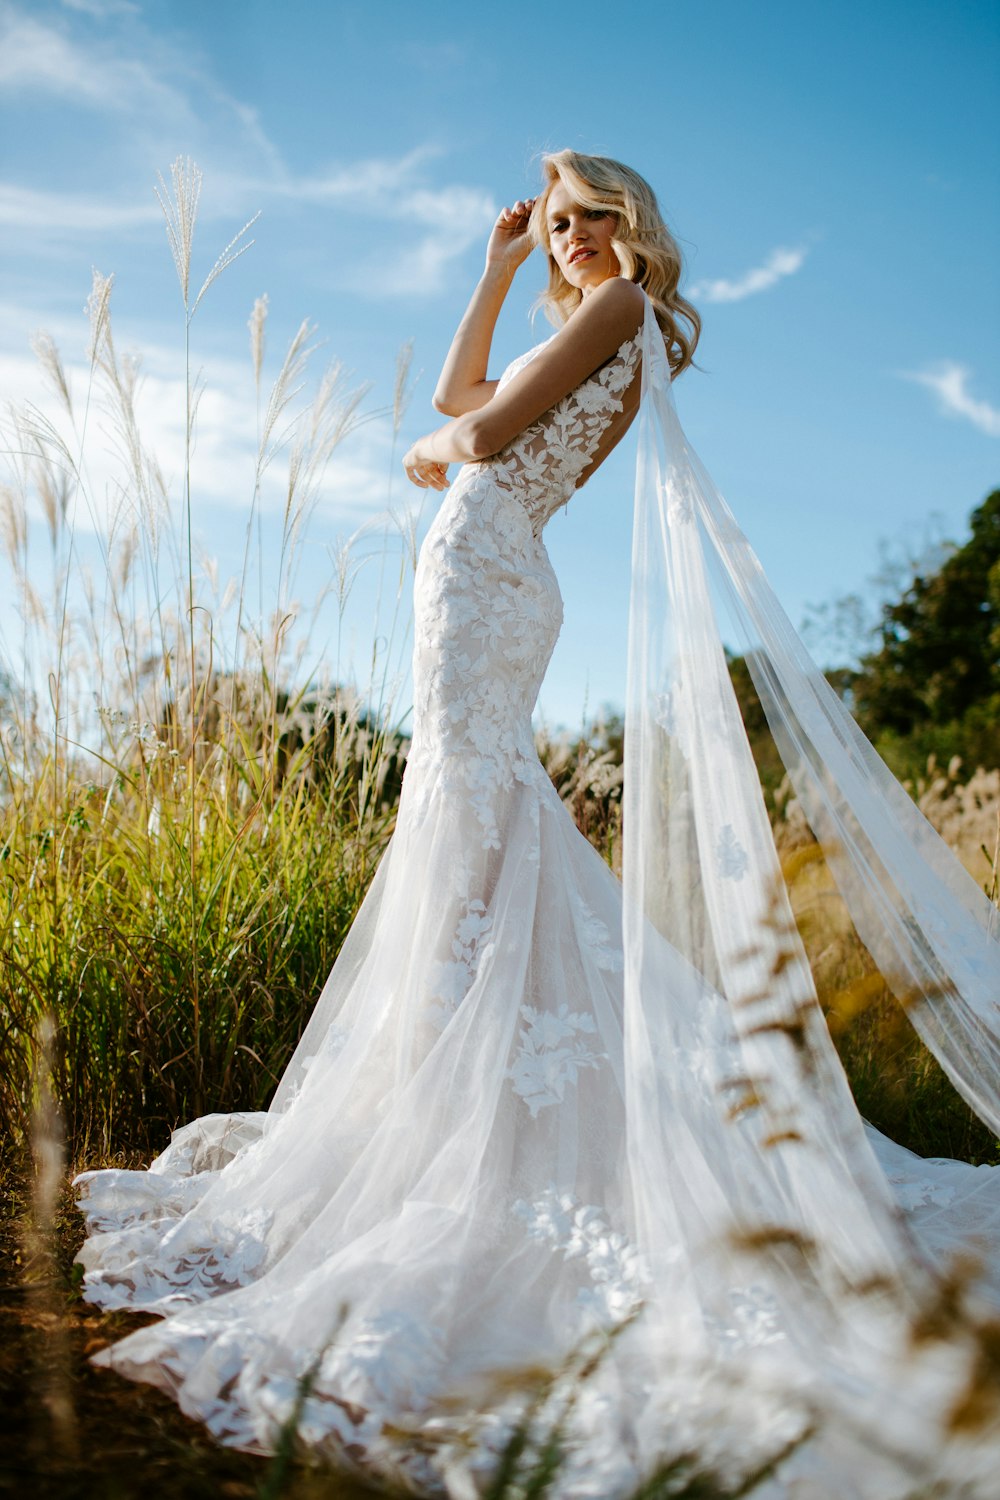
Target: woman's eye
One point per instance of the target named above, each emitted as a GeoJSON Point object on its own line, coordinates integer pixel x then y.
{"type": "Point", "coordinates": [559, 226]}
{"type": "Point", "coordinates": [597, 213]}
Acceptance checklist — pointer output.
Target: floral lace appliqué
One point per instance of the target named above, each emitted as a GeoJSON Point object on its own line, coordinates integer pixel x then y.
{"type": "Point", "coordinates": [753, 1320]}
{"type": "Point", "coordinates": [187, 1265]}
{"type": "Point", "coordinates": [487, 605]}
{"type": "Point", "coordinates": [595, 938]}
{"type": "Point", "coordinates": [453, 978]}
{"type": "Point", "coordinates": [911, 1193]}
{"type": "Point", "coordinates": [553, 1050]}
{"type": "Point", "coordinates": [731, 857]}
{"type": "Point", "coordinates": [581, 1232]}
{"type": "Point", "coordinates": [544, 462]}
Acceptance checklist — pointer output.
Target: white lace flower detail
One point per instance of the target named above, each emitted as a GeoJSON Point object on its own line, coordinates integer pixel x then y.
{"type": "Point", "coordinates": [596, 939]}
{"type": "Point", "coordinates": [680, 501]}
{"type": "Point", "coordinates": [754, 1319]}
{"type": "Point", "coordinates": [187, 1264]}
{"type": "Point", "coordinates": [332, 1044]}
{"type": "Point", "coordinates": [591, 398]}
{"type": "Point", "coordinates": [912, 1194]}
{"type": "Point", "coordinates": [552, 1052]}
{"type": "Point", "coordinates": [544, 462]}
{"type": "Point", "coordinates": [665, 709]}
{"type": "Point", "coordinates": [453, 978]}
{"type": "Point", "coordinates": [392, 1357]}
{"type": "Point", "coordinates": [581, 1232]}
{"type": "Point", "coordinates": [730, 856]}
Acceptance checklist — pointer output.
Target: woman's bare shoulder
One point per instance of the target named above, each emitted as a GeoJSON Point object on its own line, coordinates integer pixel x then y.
{"type": "Point", "coordinates": [591, 336]}
{"type": "Point", "coordinates": [594, 331]}
{"type": "Point", "coordinates": [617, 303]}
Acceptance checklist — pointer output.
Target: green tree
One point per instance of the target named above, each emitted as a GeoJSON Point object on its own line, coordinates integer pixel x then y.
{"type": "Point", "coordinates": [934, 680]}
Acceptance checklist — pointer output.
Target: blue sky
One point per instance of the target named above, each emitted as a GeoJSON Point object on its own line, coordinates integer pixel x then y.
{"type": "Point", "coordinates": [832, 171]}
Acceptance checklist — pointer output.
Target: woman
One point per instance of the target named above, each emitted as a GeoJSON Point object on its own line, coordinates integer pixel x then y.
{"type": "Point", "coordinates": [535, 1120]}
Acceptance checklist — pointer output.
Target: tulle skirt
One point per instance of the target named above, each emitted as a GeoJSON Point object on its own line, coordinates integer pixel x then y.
{"type": "Point", "coordinates": [440, 1202]}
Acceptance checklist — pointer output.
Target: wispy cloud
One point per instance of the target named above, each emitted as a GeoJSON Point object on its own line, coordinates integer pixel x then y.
{"type": "Point", "coordinates": [949, 382]}
{"type": "Point", "coordinates": [436, 228]}
{"type": "Point", "coordinates": [32, 209]}
{"type": "Point", "coordinates": [370, 182]}
{"type": "Point", "coordinates": [39, 58]}
{"type": "Point", "coordinates": [163, 91]}
{"type": "Point", "coordinates": [432, 226]}
{"type": "Point", "coordinates": [779, 264]}
{"type": "Point", "coordinates": [414, 226]}
{"type": "Point", "coordinates": [354, 488]}
{"type": "Point", "coordinates": [430, 229]}
{"type": "Point", "coordinates": [102, 9]}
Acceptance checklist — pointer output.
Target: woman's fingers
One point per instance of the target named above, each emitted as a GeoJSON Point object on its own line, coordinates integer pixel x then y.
{"type": "Point", "coordinates": [519, 210]}
{"type": "Point", "coordinates": [427, 476]}
{"type": "Point", "coordinates": [510, 243]}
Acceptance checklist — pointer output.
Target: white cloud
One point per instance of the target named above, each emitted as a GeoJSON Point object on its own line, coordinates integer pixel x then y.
{"type": "Point", "coordinates": [102, 9]}
{"type": "Point", "coordinates": [454, 218]}
{"type": "Point", "coordinates": [37, 58]}
{"type": "Point", "coordinates": [399, 228]}
{"type": "Point", "coordinates": [444, 222]}
{"type": "Point", "coordinates": [160, 88]}
{"type": "Point", "coordinates": [412, 232]}
{"type": "Point", "coordinates": [779, 264]}
{"type": "Point", "coordinates": [431, 228]}
{"type": "Point", "coordinates": [355, 484]}
{"type": "Point", "coordinates": [32, 209]}
{"type": "Point", "coordinates": [371, 181]}
{"type": "Point", "coordinates": [949, 382]}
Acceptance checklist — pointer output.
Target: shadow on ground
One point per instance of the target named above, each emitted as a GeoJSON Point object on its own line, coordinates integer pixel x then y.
{"type": "Point", "coordinates": [69, 1431]}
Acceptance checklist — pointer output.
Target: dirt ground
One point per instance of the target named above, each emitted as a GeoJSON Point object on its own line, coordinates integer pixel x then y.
{"type": "Point", "coordinates": [69, 1431]}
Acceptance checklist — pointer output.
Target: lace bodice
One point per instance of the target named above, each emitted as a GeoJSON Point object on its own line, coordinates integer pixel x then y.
{"type": "Point", "coordinates": [544, 463]}
{"type": "Point", "coordinates": [487, 603]}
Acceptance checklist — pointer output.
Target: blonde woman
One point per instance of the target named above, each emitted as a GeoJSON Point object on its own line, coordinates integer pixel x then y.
{"type": "Point", "coordinates": [539, 1120]}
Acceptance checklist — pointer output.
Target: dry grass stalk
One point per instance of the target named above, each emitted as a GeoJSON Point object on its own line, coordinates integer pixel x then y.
{"type": "Point", "coordinates": [55, 1411]}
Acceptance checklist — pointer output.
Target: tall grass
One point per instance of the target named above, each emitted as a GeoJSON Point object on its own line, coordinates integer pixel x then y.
{"type": "Point", "coordinates": [897, 1083]}
{"type": "Point", "coordinates": [191, 812]}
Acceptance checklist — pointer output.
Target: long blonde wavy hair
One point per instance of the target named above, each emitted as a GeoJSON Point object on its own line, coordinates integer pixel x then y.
{"type": "Point", "coordinates": [647, 252]}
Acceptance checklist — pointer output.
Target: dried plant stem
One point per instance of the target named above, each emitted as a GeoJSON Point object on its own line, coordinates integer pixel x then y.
{"type": "Point", "coordinates": [180, 210]}
{"type": "Point", "coordinates": [41, 1254]}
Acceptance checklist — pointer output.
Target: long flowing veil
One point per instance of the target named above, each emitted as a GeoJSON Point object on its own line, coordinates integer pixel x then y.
{"type": "Point", "coordinates": [779, 1153]}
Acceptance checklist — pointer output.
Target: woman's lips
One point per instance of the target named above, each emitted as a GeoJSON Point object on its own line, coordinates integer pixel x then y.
{"type": "Point", "coordinates": [579, 255]}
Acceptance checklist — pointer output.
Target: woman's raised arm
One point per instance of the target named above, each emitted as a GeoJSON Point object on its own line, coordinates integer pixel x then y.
{"type": "Point", "coordinates": [462, 385]}
{"type": "Point", "coordinates": [609, 315]}
{"type": "Point", "coordinates": [595, 332]}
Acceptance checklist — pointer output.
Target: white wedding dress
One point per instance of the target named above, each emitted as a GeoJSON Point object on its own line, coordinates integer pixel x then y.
{"type": "Point", "coordinates": [486, 1153]}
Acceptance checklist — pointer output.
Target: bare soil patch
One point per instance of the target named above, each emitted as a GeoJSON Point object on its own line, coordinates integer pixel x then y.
{"type": "Point", "coordinates": [70, 1431]}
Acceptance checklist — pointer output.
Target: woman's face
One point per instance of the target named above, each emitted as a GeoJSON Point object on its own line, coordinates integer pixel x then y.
{"type": "Point", "coordinates": [580, 240]}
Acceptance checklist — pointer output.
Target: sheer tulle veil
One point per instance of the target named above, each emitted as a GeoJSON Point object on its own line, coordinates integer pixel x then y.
{"type": "Point", "coordinates": [691, 784]}
{"type": "Point", "coordinates": [793, 1163]}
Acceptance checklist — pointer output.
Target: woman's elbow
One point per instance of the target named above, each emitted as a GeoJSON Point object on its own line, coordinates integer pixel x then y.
{"type": "Point", "coordinates": [441, 403]}
{"type": "Point", "coordinates": [478, 438]}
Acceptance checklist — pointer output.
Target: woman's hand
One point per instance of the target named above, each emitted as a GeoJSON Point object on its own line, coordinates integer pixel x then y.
{"type": "Point", "coordinates": [510, 243]}
{"type": "Point", "coordinates": [423, 469]}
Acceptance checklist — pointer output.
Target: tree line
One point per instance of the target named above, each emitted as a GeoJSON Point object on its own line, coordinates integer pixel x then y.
{"type": "Point", "coordinates": [929, 681]}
